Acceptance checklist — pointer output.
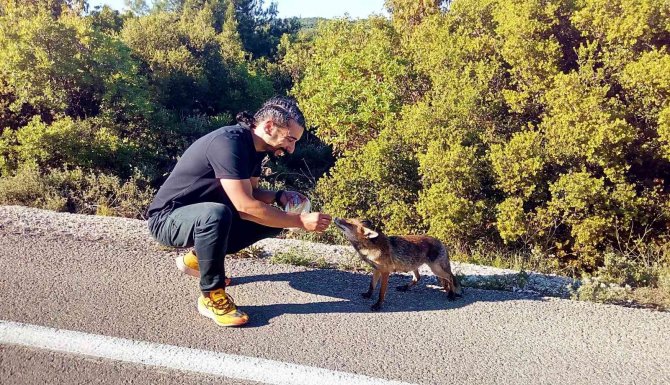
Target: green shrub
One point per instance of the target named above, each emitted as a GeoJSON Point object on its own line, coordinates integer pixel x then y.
{"type": "Point", "coordinates": [664, 132]}
{"type": "Point", "coordinates": [352, 86]}
{"type": "Point", "coordinates": [293, 256]}
{"type": "Point", "coordinates": [622, 270]}
{"type": "Point", "coordinates": [533, 127]}
{"type": "Point", "coordinates": [664, 279]}
{"type": "Point", "coordinates": [28, 188]}
{"type": "Point", "coordinates": [77, 191]}
{"type": "Point", "coordinates": [592, 289]}
{"type": "Point", "coordinates": [78, 143]}
{"type": "Point", "coordinates": [378, 182]}
{"type": "Point", "coordinates": [301, 170]}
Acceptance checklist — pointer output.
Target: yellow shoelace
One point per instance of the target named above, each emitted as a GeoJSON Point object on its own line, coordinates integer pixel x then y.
{"type": "Point", "coordinates": [225, 303]}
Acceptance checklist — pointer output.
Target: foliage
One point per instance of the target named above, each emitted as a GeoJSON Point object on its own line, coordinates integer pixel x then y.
{"type": "Point", "coordinates": [538, 126]}
{"type": "Point", "coordinates": [259, 27]}
{"type": "Point", "coordinates": [83, 143]}
{"type": "Point", "coordinates": [375, 182]}
{"type": "Point", "coordinates": [352, 84]}
{"type": "Point", "coordinates": [29, 188]}
{"type": "Point", "coordinates": [75, 190]}
{"type": "Point", "coordinates": [293, 256]}
{"type": "Point", "coordinates": [301, 170]}
{"type": "Point", "coordinates": [193, 67]}
{"type": "Point", "coordinates": [114, 95]}
{"type": "Point", "coordinates": [408, 14]}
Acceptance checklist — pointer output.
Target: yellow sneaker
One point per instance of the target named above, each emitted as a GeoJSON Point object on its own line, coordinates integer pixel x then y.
{"type": "Point", "coordinates": [220, 307]}
{"type": "Point", "coordinates": [188, 264]}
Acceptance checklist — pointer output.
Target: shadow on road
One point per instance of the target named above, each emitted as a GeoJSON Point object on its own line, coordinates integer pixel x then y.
{"type": "Point", "coordinates": [345, 288]}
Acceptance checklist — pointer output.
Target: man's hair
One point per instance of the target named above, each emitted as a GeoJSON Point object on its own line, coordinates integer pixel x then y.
{"type": "Point", "coordinates": [280, 108]}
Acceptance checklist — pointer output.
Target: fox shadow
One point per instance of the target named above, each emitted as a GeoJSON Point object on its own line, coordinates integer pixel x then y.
{"type": "Point", "coordinates": [345, 291]}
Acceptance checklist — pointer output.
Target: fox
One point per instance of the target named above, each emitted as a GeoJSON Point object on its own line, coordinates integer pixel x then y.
{"type": "Point", "coordinates": [388, 254]}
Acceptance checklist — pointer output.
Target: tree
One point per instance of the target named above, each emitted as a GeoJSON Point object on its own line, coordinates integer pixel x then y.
{"type": "Point", "coordinates": [71, 89]}
{"type": "Point", "coordinates": [259, 27]}
{"type": "Point", "coordinates": [533, 125]}
{"type": "Point", "coordinates": [352, 85]}
{"type": "Point", "coordinates": [231, 43]}
{"type": "Point", "coordinates": [106, 19]}
{"type": "Point", "coordinates": [407, 14]}
{"type": "Point", "coordinates": [138, 7]}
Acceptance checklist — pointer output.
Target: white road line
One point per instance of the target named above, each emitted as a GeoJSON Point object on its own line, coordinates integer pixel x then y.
{"type": "Point", "coordinates": [175, 357]}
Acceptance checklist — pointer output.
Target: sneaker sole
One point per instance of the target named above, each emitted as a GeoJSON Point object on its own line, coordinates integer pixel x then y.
{"type": "Point", "coordinates": [185, 269]}
{"type": "Point", "coordinates": [192, 272]}
{"type": "Point", "coordinates": [205, 312]}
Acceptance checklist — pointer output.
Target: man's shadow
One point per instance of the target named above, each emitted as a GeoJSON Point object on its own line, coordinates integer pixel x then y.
{"type": "Point", "coordinates": [346, 287]}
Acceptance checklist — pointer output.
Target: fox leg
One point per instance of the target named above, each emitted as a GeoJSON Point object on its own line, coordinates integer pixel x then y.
{"type": "Point", "coordinates": [373, 284]}
{"type": "Point", "coordinates": [415, 279]}
{"type": "Point", "coordinates": [443, 271]}
{"type": "Point", "coordinates": [382, 291]}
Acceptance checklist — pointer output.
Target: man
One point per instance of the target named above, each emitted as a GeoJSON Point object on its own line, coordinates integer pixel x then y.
{"type": "Point", "coordinates": [211, 200]}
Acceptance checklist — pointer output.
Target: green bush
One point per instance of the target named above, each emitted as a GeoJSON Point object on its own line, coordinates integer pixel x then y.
{"type": "Point", "coordinates": [293, 256]}
{"type": "Point", "coordinates": [79, 143]}
{"type": "Point", "coordinates": [639, 276]}
{"type": "Point", "coordinates": [532, 126]}
{"type": "Point", "coordinates": [104, 97]}
{"type": "Point", "coordinates": [352, 85]}
{"type": "Point", "coordinates": [77, 191]}
{"type": "Point", "coordinates": [378, 182]}
{"type": "Point", "coordinates": [28, 188]}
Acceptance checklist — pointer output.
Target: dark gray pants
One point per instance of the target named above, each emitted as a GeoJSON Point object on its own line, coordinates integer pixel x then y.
{"type": "Point", "coordinates": [214, 230]}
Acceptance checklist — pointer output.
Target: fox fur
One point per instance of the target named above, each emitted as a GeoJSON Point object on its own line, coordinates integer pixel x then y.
{"type": "Point", "coordinates": [388, 254]}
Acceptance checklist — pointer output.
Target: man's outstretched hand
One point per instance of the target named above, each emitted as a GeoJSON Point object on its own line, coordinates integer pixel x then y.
{"type": "Point", "coordinates": [315, 221]}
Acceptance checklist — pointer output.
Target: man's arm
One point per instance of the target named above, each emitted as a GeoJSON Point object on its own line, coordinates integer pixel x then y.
{"type": "Point", "coordinates": [240, 193]}
{"type": "Point", "coordinates": [265, 196]}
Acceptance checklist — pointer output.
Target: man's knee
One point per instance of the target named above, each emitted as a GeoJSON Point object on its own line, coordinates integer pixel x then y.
{"type": "Point", "coordinates": [218, 215]}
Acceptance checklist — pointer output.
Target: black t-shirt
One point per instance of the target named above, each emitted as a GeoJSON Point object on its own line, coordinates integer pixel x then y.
{"type": "Point", "coordinates": [227, 153]}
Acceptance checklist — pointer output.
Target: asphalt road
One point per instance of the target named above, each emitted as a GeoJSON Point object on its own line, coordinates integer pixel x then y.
{"type": "Point", "coordinates": [310, 317]}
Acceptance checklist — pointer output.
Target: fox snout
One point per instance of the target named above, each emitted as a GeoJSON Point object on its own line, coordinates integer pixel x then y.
{"type": "Point", "coordinates": [355, 229]}
{"type": "Point", "coordinates": [341, 224]}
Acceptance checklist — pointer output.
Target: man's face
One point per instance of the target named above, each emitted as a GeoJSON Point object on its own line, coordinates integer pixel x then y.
{"type": "Point", "coordinates": [283, 139]}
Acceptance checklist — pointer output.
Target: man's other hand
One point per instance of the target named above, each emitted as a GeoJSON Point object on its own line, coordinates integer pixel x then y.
{"type": "Point", "coordinates": [291, 196]}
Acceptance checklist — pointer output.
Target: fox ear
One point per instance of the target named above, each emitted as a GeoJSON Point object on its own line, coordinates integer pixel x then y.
{"type": "Point", "coordinates": [370, 234]}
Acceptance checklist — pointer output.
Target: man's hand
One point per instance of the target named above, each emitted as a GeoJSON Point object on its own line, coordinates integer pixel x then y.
{"type": "Point", "coordinates": [315, 221]}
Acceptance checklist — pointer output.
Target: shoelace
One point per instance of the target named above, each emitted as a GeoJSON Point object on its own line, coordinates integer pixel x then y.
{"type": "Point", "coordinates": [226, 305]}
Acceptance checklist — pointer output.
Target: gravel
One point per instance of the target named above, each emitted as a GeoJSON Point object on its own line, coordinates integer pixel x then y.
{"type": "Point", "coordinates": [31, 221]}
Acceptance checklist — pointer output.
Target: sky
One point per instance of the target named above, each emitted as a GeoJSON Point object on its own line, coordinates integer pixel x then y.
{"type": "Point", "coordinates": [301, 8]}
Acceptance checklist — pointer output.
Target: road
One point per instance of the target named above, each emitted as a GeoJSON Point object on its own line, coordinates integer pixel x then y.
{"type": "Point", "coordinates": [131, 290]}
